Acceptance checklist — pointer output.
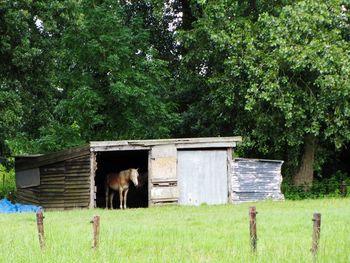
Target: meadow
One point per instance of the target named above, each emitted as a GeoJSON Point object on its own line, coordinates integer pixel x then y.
{"type": "Point", "coordinates": [182, 234]}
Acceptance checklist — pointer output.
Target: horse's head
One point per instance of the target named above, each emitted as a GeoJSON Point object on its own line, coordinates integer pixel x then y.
{"type": "Point", "coordinates": [134, 174]}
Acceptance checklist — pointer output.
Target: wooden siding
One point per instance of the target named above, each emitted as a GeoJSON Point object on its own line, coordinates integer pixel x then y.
{"type": "Point", "coordinates": [25, 163]}
{"type": "Point", "coordinates": [28, 195]}
{"type": "Point", "coordinates": [254, 180]}
{"type": "Point", "coordinates": [63, 185]}
{"type": "Point", "coordinates": [52, 186]}
{"type": "Point", "coordinates": [77, 183]}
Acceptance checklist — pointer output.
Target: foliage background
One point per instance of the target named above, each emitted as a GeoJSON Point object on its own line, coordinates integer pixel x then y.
{"type": "Point", "coordinates": [276, 73]}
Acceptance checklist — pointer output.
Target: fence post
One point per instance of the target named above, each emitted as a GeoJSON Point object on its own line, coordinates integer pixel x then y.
{"type": "Point", "coordinates": [253, 236]}
{"type": "Point", "coordinates": [40, 223]}
{"type": "Point", "coordinates": [316, 233]}
{"type": "Point", "coordinates": [343, 189]}
{"type": "Point", "coordinates": [96, 231]}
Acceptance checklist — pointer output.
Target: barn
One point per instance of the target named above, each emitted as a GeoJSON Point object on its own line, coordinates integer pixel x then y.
{"type": "Point", "coordinates": [187, 171]}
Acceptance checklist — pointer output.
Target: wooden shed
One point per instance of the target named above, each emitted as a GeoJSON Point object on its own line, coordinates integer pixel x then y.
{"type": "Point", "coordinates": [184, 171]}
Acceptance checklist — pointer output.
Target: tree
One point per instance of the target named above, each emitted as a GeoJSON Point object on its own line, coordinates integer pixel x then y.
{"type": "Point", "coordinates": [112, 80]}
{"type": "Point", "coordinates": [279, 76]}
{"type": "Point", "coordinates": [27, 69]}
{"type": "Point", "coordinates": [303, 72]}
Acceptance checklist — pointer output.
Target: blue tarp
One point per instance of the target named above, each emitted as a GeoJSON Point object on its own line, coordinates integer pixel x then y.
{"type": "Point", "coordinates": [7, 207]}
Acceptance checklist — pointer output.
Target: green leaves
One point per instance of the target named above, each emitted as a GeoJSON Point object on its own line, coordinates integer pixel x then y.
{"type": "Point", "coordinates": [11, 112]}
{"type": "Point", "coordinates": [117, 79]}
{"type": "Point", "coordinates": [311, 53]}
{"type": "Point", "coordinates": [273, 72]}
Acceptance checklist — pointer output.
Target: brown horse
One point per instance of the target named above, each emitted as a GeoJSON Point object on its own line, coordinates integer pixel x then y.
{"type": "Point", "coordinates": [120, 182]}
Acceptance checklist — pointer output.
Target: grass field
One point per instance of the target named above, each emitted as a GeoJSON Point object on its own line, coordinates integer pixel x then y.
{"type": "Point", "coordinates": [182, 234]}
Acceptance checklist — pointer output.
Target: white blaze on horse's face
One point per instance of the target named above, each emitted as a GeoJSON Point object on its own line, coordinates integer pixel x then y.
{"type": "Point", "coordinates": [134, 175]}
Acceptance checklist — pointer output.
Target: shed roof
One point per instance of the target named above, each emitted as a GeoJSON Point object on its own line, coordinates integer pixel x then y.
{"type": "Point", "coordinates": [35, 161]}
{"type": "Point", "coordinates": [180, 143]}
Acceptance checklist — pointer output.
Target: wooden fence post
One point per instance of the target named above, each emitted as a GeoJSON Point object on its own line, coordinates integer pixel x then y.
{"type": "Point", "coordinates": [253, 236]}
{"type": "Point", "coordinates": [343, 189]}
{"type": "Point", "coordinates": [316, 233]}
{"type": "Point", "coordinates": [40, 223]}
{"type": "Point", "coordinates": [96, 231]}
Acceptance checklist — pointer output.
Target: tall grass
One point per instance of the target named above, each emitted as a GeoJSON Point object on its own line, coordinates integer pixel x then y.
{"type": "Point", "coordinates": [182, 234]}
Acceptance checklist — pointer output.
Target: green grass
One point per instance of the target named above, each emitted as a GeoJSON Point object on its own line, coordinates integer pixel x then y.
{"type": "Point", "coordinates": [182, 234]}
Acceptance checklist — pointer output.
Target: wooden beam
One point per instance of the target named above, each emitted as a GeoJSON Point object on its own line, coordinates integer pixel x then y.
{"type": "Point", "coordinates": [208, 142]}
{"type": "Point", "coordinates": [93, 168]}
{"type": "Point", "coordinates": [229, 173]}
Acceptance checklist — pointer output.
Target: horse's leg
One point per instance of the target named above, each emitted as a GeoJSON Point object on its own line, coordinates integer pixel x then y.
{"type": "Point", "coordinates": [111, 196]}
{"type": "Point", "coordinates": [125, 195]}
{"type": "Point", "coordinates": [107, 193]}
{"type": "Point", "coordinates": [121, 197]}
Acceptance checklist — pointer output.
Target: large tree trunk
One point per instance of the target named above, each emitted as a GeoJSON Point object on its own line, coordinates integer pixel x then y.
{"type": "Point", "coordinates": [305, 174]}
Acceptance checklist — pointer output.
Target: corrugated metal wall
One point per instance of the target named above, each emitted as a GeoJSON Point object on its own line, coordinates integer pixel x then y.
{"type": "Point", "coordinates": [254, 180]}
{"type": "Point", "coordinates": [202, 177]}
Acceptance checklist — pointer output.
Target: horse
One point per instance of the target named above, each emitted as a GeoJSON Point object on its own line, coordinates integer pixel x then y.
{"type": "Point", "coordinates": [120, 182]}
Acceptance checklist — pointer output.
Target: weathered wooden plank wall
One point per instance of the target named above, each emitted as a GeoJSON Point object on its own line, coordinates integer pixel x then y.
{"type": "Point", "coordinates": [63, 185]}
{"type": "Point", "coordinates": [77, 183]}
{"type": "Point", "coordinates": [163, 186]}
{"type": "Point", "coordinates": [28, 195]}
{"type": "Point", "coordinates": [52, 186]}
{"type": "Point", "coordinates": [254, 180]}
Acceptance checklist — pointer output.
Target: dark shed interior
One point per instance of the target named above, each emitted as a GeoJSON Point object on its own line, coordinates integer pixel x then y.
{"type": "Point", "coordinates": [116, 161]}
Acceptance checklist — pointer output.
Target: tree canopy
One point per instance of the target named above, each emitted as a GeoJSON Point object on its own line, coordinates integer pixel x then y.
{"type": "Point", "coordinates": [275, 72]}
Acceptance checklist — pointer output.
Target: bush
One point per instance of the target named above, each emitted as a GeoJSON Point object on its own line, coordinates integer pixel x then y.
{"type": "Point", "coordinates": [7, 182]}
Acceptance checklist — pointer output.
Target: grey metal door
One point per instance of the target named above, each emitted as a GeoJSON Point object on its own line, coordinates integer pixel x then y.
{"type": "Point", "coordinates": [202, 177]}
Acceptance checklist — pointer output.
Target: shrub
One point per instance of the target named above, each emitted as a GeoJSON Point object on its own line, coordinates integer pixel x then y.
{"type": "Point", "coordinates": [327, 187]}
{"type": "Point", "coordinates": [7, 182]}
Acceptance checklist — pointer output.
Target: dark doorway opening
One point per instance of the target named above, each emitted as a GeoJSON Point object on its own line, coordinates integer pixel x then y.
{"type": "Point", "coordinates": [116, 161]}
